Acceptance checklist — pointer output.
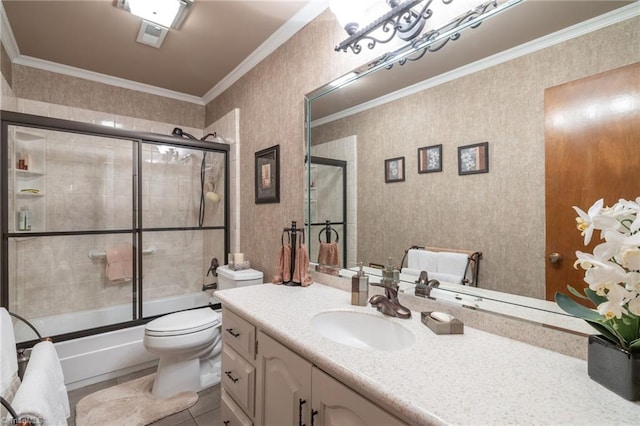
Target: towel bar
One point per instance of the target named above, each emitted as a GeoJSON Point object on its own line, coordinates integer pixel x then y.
{"type": "Point", "coordinates": [95, 254]}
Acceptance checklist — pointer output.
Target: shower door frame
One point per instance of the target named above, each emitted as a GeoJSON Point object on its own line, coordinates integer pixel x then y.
{"type": "Point", "coordinates": [10, 118]}
{"type": "Point", "coordinates": [332, 162]}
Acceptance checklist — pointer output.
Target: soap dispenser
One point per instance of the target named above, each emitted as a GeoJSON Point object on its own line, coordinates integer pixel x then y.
{"type": "Point", "coordinates": [359, 288]}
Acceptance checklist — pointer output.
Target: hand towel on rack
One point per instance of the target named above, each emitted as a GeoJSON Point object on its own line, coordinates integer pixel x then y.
{"type": "Point", "coordinates": [43, 394]}
{"type": "Point", "coordinates": [283, 265]}
{"type": "Point", "coordinates": [35, 399]}
{"type": "Point", "coordinates": [301, 273]}
{"type": "Point", "coordinates": [329, 254]}
{"type": "Point", "coordinates": [44, 356]}
{"type": "Point", "coordinates": [8, 358]}
{"type": "Point", "coordinates": [452, 263]}
{"type": "Point", "coordinates": [423, 260]}
{"type": "Point", "coordinates": [119, 264]}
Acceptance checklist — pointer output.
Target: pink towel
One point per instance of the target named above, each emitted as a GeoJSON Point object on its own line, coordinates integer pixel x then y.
{"type": "Point", "coordinates": [283, 266]}
{"type": "Point", "coordinates": [120, 264]}
{"type": "Point", "coordinates": [301, 273]}
{"type": "Point", "coordinates": [329, 254]}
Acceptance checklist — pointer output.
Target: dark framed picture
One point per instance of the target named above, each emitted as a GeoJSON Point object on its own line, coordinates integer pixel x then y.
{"type": "Point", "coordinates": [430, 159]}
{"type": "Point", "coordinates": [394, 170]}
{"type": "Point", "coordinates": [268, 175]}
{"type": "Point", "coordinates": [473, 159]}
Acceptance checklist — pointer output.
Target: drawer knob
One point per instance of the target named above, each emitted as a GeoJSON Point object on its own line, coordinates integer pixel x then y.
{"type": "Point", "coordinates": [230, 376]}
{"type": "Point", "coordinates": [232, 332]}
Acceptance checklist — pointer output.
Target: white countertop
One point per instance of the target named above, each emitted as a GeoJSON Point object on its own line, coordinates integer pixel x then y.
{"type": "Point", "coordinates": [473, 379]}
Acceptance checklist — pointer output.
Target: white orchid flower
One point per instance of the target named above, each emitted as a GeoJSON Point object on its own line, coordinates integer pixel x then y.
{"type": "Point", "coordinates": [634, 305]}
{"type": "Point", "coordinates": [630, 210]}
{"type": "Point", "coordinates": [604, 277]}
{"type": "Point", "coordinates": [595, 218]}
{"type": "Point", "coordinates": [632, 281]}
{"type": "Point", "coordinates": [611, 310]}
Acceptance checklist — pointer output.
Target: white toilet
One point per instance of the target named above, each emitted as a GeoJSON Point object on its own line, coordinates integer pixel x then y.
{"type": "Point", "coordinates": [189, 343]}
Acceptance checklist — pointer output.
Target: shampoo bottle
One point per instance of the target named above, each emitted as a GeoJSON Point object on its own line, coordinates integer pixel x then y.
{"type": "Point", "coordinates": [359, 288]}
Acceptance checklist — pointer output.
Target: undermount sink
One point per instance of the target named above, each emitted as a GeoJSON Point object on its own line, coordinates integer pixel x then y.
{"type": "Point", "coordinates": [362, 330]}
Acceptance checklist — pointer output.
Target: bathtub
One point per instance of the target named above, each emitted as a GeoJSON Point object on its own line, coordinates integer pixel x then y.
{"type": "Point", "coordinates": [100, 357]}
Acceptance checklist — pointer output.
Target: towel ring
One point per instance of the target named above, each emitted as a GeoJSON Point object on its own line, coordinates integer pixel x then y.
{"type": "Point", "coordinates": [328, 230]}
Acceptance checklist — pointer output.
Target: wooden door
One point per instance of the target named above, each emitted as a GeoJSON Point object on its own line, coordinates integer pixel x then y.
{"type": "Point", "coordinates": [283, 394]}
{"type": "Point", "coordinates": [592, 151]}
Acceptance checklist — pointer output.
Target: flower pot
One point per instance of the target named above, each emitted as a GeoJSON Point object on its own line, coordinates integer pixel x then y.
{"type": "Point", "coordinates": [614, 368]}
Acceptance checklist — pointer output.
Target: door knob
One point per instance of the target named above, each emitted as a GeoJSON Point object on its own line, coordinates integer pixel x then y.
{"type": "Point", "coordinates": [555, 257]}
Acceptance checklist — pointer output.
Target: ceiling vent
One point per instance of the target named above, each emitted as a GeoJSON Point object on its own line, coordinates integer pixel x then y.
{"type": "Point", "coordinates": [151, 34]}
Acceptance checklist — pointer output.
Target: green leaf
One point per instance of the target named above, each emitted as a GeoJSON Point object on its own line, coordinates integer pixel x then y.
{"type": "Point", "coordinates": [593, 296]}
{"type": "Point", "coordinates": [635, 345]}
{"type": "Point", "coordinates": [574, 308]}
{"type": "Point", "coordinates": [604, 330]}
{"type": "Point", "coordinates": [576, 293]}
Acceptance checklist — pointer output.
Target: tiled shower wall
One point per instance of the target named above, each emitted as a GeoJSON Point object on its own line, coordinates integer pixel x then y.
{"type": "Point", "coordinates": [86, 190]}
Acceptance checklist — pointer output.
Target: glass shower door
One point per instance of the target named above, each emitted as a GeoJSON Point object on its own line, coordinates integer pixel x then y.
{"type": "Point", "coordinates": [69, 201]}
{"type": "Point", "coordinates": [327, 206]}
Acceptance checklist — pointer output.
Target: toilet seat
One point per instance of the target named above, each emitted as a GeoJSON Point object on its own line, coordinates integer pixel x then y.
{"type": "Point", "coordinates": [184, 322]}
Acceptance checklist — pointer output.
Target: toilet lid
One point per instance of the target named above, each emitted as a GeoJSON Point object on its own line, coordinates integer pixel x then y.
{"type": "Point", "coordinates": [184, 322]}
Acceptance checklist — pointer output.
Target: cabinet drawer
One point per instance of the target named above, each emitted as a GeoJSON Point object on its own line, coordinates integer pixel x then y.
{"type": "Point", "coordinates": [239, 334]}
{"type": "Point", "coordinates": [238, 379]}
{"type": "Point", "coordinates": [231, 414]}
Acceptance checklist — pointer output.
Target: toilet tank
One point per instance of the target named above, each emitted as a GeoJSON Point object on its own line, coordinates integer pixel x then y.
{"type": "Point", "coordinates": [228, 278]}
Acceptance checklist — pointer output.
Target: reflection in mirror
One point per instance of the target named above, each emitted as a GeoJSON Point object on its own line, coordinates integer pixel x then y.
{"type": "Point", "coordinates": [468, 93]}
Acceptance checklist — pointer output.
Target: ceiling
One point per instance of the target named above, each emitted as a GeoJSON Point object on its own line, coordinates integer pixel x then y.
{"type": "Point", "coordinates": [214, 39]}
{"type": "Point", "coordinates": [221, 39]}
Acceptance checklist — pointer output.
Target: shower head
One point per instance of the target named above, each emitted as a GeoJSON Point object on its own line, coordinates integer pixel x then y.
{"type": "Point", "coordinates": [214, 134]}
{"type": "Point", "coordinates": [177, 131]}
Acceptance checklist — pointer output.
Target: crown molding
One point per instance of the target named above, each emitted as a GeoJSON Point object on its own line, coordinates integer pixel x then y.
{"type": "Point", "coordinates": [593, 24]}
{"type": "Point", "coordinates": [307, 14]}
{"type": "Point", "coordinates": [8, 40]}
{"type": "Point", "coordinates": [104, 79]}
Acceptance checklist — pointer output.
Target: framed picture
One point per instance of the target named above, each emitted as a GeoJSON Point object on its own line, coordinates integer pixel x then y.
{"type": "Point", "coordinates": [268, 175]}
{"type": "Point", "coordinates": [473, 158]}
{"type": "Point", "coordinates": [394, 170]}
{"type": "Point", "coordinates": [430, 159]}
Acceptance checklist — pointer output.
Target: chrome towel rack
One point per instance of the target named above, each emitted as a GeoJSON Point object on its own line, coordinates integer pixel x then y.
{"type": "Point", "coordinates": [97, 254]}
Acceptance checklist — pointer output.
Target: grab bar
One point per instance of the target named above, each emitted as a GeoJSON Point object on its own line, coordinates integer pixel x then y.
{"type": "Point", "coordinates": [95, 254]}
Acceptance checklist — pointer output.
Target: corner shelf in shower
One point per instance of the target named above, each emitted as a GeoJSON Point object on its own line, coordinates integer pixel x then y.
{"type": "Point", "coordinates": [33, 143]}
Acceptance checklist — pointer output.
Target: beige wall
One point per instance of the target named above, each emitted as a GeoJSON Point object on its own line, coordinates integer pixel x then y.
{"type": "Point", "coordinates": [270, 98]}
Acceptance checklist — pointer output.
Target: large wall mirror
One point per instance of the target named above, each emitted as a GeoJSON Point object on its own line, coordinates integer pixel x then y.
{"type": "Point", "coordinates": [488, 86]}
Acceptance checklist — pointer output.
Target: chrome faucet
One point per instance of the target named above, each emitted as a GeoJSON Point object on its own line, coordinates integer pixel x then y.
{"type": "Point", "coordinates": [389, 303]}
{"type": "Point", "coordinates": [424, 285]}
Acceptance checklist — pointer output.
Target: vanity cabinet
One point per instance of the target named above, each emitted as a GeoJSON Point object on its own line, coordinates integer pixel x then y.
{"type": "Point", "coordinates": [288, 389]}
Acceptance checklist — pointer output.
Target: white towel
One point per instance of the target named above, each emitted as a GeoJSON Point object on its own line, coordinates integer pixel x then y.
{"type": "Point", "coordinates": [8, 357]}
{"type": "Point", "coordinates": [423, 260]}
{"type": "Point", "coordinates": [37, 399]}
{"type": "Point", "coordinates": [452, 263]}
{"type": "Point", "coordinates": [43, 394]}
{"type": "Point", "coordinates": [446, 278]}
{"type": "Point", "coordinates": [44, 356]}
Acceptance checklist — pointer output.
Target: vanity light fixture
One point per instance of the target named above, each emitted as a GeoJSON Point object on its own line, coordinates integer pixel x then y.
{"type": "Point", "coordinates": [423, 23]}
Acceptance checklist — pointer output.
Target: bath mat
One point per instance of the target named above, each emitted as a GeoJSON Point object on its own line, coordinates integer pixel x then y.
{"type": "Point", "coordinates": [130, 403]}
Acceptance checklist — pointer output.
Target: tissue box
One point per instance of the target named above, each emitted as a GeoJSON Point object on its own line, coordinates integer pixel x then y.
{"type": "Point", "coordinates": [454, 327]}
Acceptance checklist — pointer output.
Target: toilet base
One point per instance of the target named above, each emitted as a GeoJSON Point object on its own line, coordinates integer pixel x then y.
{"type": "Point", "coordinates": [177, 375]}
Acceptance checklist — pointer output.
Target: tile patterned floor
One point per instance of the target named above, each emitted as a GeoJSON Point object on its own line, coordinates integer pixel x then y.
{"type": "Point", "coordinates": [206, 412]}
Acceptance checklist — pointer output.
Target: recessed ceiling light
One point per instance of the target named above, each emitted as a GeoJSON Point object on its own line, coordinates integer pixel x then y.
{"type": "Point", "coordinates": [167, 13]}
